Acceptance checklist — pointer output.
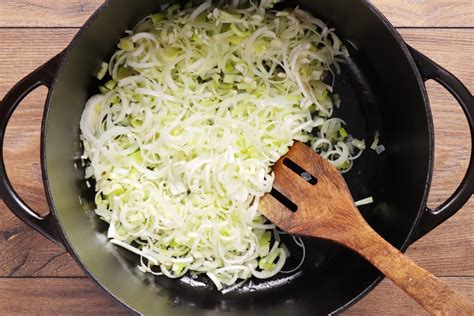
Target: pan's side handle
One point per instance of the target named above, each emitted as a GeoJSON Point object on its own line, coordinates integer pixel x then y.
{"type": "Point", "coordinates": [43, 76]}
{"type": "Point", "coordinates": [430, 70]}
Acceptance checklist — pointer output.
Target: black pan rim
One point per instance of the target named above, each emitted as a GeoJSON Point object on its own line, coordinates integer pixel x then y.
{"type": "Point", "coordinates": [422, 204]}
{"type": "Point", "coordinates": [431, 145]}
{"type": "Point", "coordinates": [49, 198]}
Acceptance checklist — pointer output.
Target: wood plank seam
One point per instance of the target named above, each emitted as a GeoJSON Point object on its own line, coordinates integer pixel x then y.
{"type": "Point", "coordinates": [358, 309]}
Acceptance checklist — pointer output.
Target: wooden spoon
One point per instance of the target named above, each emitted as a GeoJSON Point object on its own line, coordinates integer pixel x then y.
{"type": "Point", "coordinates": [326, 210]}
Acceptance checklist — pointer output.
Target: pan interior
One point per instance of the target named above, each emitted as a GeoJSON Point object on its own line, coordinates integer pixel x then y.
{"type": "Point", "coordinates": [379, 92]}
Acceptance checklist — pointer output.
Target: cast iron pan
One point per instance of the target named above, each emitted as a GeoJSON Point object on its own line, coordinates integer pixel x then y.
{"type": "Point", "coordinates": [382, 89]}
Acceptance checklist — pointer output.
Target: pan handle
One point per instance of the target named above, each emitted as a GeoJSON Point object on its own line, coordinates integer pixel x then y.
{"type": "Point", "coordinates": [43, 76]}
{"type": "Point", "coordinates": [430, 70]}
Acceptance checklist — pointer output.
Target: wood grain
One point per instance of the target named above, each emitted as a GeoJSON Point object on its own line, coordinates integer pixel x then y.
{"type": "Point", "coordinates": [326, 210]}
{"type": "Point", "coordinates": [454, 49]}
{"type": "Point", "coordinates": [388, 300]}
{"type": "Point", "coordinates": [33, 254]}
{"type": "Point", "coordinates": [447, 251]}
{"type": "Point", "coordinates": [81, 296]}
{"type": "Point", "coordinates": [428, 13]}
{"type": "Point", "coordinates": [73, 13]}
{"type": "Point", "coordinates": [50, 13]}
{"type": "Point", "coordinates": [58, 296]}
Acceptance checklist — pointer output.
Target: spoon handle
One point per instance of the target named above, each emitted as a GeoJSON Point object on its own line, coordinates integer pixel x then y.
{"type": "Point", "coordinates": [430, 292]}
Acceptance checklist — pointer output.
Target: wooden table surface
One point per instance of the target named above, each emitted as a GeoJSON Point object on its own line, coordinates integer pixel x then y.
{"type": "Point", "coordinates": [38, 277]}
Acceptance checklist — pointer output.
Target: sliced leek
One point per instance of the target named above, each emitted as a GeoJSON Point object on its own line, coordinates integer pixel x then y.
{"type": "Point", "coordinates": [199, 104]}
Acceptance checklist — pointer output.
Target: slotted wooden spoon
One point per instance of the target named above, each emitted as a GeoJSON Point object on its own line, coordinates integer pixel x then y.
{"type": "Point", "coordinates": [325, 209]}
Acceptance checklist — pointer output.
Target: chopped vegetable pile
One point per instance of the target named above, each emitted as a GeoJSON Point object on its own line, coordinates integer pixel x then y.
{"type": "Point", "coordinates": [196, 106]}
